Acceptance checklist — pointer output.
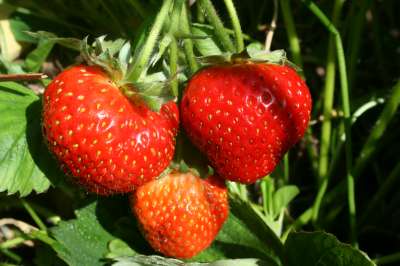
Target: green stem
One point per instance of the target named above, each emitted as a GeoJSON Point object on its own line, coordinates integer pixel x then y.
{"type": "Point", "coordinates": [216, 22]}
{"type": "Point", "coordinates": [388, 259]}
{"type": "Point", "coordinates": [33, 215]}
{"type": "Point", "coordinates": [326, 130]}
{"type": "Point", "coordinates": [141, 63]}
{"type": "Point", "coordinates": [235, 24]}
{"type": "Point", "coordinates": [173, 48]}
{"type": "Point", "coordinates": [302, 220]}
{"type": "Point", "coordinates": [187, 43]}
{"type": "Point", "coordinates": [173, 61]}
{"type": "Point", "coordinates": [371, 144]}
{"type": "Point", "coordinates": [286, 169]}
{"type": "Point", "coordinates": [243, 192]}
{"type": "Point", "coordinates": [291, 33]}
{"type": "Point", "coordinates": [264, 194]}
{"type": "Point", "coordinates": [12, 243]}
{"type": "Point", "coordinates": [380, 127]}
{"type": "Point", "coordinates": [346, 111]}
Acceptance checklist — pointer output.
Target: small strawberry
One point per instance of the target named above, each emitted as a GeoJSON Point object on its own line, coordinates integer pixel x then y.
{"type": "Point", "coordinates": [108, 142]}
{"type": "Point", "coordinates": [245, 116]}
{"type": "Point", "coordinates": [181, 214]}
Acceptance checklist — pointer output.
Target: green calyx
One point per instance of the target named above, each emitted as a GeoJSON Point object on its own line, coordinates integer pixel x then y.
{"type": "Point", "coordinates": [182, 167]}
{"type": "Point", "coordinates": [252, 54]}
{"type": "Point", "coordinates": [115, 58]}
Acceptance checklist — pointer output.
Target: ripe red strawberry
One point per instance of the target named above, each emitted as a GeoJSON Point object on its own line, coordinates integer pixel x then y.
{"type": "Point", "coordinates": [103, 139]}
{"type": "Point", "coordinates": [181, 214]}
{"type": "Point", "coordinates": [244, 117]}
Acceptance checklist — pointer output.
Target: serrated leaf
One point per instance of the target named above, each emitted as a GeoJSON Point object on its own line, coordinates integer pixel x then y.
{"type": "Point", "coordinates": [319, 248]}
{"type": "Point", "coordinates": [161, 261]}
{"type": "Point", "coordinates": [155, 94]}
{"type": "Point", "coordinates": [124, 56]}
{"type": "Point", "coordinates": [71, 43]}
{"type": "Point", "coordinates": [24, 158]}
{"type": "Point", "coordinates": [206, 46]}
{"type": "Point", "coordinates": [85, 240]}
{"type": "Point", "coordinates": [36, 58]}
{"type": "Point", "coordinates": [277, 56]}
{"type": "Point", "coordinates": [162, 47]}
{"type": "Point", "coordinates": [282, 197]}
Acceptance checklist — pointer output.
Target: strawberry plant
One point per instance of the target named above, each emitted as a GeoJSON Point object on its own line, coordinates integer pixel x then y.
{"type": "Point", "coordinates": [169, 132]}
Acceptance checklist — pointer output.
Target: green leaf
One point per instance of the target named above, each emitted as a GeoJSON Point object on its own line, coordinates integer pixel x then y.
{"type": "Point", "coordinates": [277, 56]}
{"type": "Point", "coordinates": [87, 239]}
{"type": "Point", "coordinates": [71, 43]}
{"type": "Point", "coordinates": [207, 46]}
{"type": "Point", "coordinates": [244, 235]}
{"type": "Point", "coordinates": [35, 59]}
{"type": "Point", "coordinates": [162, 47]}
{"type": "Point", "coordinates": [24, 158]}
{"type": "Point", "coordinates": [118, 248]}
{"type": "Point", "coordinates": [282, 197]}
{"type": "Point", "coordinates": [319, 248]}
{"type": "Point", "coordinates": [161, 261]}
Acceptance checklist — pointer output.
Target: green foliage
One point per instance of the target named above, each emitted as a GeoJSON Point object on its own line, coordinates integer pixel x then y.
{"type": "Point", "coordinates": [168, 43]}
{"type": "Point", "coordinates": [23, 155]}
{"type": "Point", "coordinates": [321, 249]}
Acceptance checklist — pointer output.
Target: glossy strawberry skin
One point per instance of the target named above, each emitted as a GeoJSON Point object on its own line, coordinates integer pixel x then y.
{"type": "Point", "coordinates": [180, 214]}
{"type": "Point", "coordinates": [245, 117]}
{"type": "Point", "coordinates": [101, 138]}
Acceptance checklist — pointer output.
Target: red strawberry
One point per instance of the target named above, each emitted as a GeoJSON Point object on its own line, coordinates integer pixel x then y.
{"type": "Point", "coordinates": [107, 142]}
{"type": "Point", "coordinates": [244, 117]}
{"type": "Point", "coordinates": [181, 214]}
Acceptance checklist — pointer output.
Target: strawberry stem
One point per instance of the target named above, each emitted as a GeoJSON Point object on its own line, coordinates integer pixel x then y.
{"type": "Point", "coordinates": [19, 77]}
{"type": "Point", "coordinates": [272, 27]}
{"type": "Point", "coordinates": [291, 32]}
{"type": "Point", "coordinates": [187, 43]}
{"type": "Point", "coordinates": [214, 19]}
{"type": "Point", "coordinates": [347, 115]}
{"type": "Point", "coordinates": [173, 48]}
{"type": "Point", "coordinates": [141, 63]}
{"type": "Point", "coordinates": [235, 24]}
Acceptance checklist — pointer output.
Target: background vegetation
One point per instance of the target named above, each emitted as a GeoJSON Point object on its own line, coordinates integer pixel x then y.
{"type": "Point", "coordinates": [343, 177]}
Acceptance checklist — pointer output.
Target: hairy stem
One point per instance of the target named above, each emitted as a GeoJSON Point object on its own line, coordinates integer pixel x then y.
{"type": "Point", "coordinates": [216, 22]}
{"type": "Point", "coordinates": [235, 24]}
{"type": "Point", "coordinates": [141, 63]}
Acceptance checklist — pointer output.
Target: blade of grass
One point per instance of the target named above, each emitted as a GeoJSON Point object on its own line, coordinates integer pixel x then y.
{"type": "Point", "coordinates": [328, 98]}
{"type": "Point", "coordinates": [33, 215]}
{"type": "Point", "coordinates": [214, 19]}
{"type": "Point", "coordinates": [291, 33]}
{"type": "Point", "coordinates": [388, 259]}
{"type": "Point", "coordinates": [187, 43]}
{"type": "Point", "coordinates": [346, 111]}
{"type": "Point", "coordinates": [173, 49]}
{"type": "Point", "coordinates": [379, 129]}
{"type": "Point", "coordinates": [235, 24]}
{"type": "Point", "coordinates": [138, 67]}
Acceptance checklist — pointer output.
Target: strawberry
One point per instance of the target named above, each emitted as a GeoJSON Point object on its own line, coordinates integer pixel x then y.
{"type": "Point", "coordinates": [245, 116]}
{"type": "Point", "coordinates": [181, 214]}
{"type": "Point", "coordinates": [108, 142]}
